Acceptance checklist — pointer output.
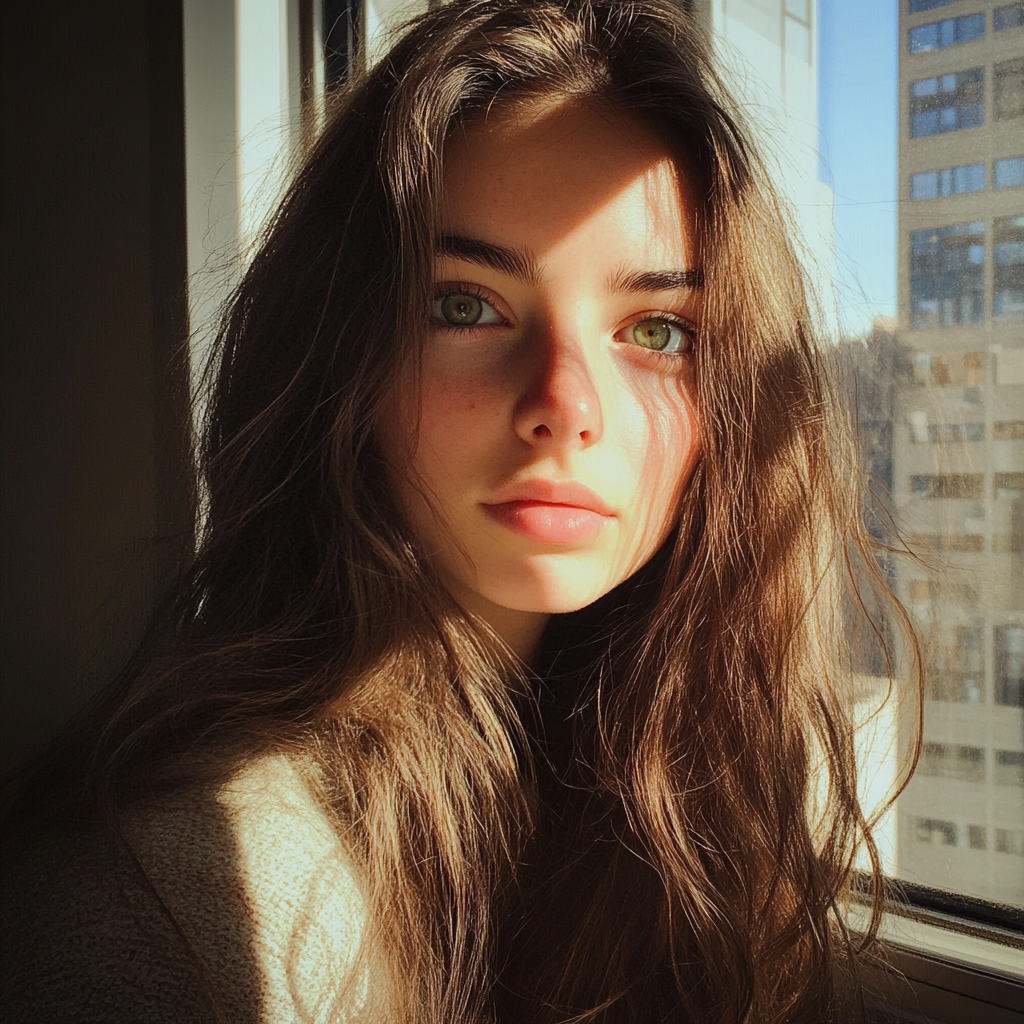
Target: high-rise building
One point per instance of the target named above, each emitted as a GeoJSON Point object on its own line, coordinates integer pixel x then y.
{"type": "Point", "coordinates": [958, 442]}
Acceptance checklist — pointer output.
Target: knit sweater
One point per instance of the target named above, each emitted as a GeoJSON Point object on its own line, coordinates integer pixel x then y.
{"type": "Point", "coordinates": [255, 879]}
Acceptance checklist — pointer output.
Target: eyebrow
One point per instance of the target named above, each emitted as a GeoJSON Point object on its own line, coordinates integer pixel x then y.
{"type": "Point", "coordinates": [657, 280]}
{"type": "Point", "coordinates": [518, 263]}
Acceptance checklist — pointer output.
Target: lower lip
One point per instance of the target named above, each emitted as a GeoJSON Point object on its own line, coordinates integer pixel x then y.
{"type": "Point", "coordinates": [549, 524]}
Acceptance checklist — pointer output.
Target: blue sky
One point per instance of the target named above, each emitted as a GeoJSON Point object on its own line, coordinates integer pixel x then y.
{"type": "Point", "coordinates": [857, 113]}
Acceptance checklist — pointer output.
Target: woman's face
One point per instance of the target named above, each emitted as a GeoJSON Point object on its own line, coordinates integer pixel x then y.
{"type": "Point", "coordinates": [541, 454]}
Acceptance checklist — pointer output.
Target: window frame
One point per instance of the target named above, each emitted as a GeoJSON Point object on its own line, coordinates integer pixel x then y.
{"type": "Point", "coordinates": [953, 912]}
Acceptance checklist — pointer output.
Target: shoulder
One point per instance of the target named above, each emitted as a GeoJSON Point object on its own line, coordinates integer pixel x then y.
{"type": "Point", "coordinates": [85, 941]}
{"type": "Point", "coordinates": [245, 892]}
{"type": "Point", "coordinates": [257, 876]}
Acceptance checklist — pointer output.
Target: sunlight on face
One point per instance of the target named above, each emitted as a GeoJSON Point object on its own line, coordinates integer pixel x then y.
{"type": "Point", "coordinates": [542, 461]}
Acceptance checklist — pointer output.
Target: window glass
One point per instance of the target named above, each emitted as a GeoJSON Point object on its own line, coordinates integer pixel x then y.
{"type": "Point", "coordinates": [1007, 430]}
{"type": "Point", "coordinates": [1008, 172]}
{"type": "Point", "coordinates": [1009, 768]}
{"type": "Point", "coordinates": [948, 103]}
{"type": "Point", "coordinates": [940, 351]}
{"type": "Point", "coordinates": [924, 185]}
{"type": "Point", "coordinates": [1008, 89]}
{"type": "Point", "coordinates": [947, 274]}
{"type": "Point", "coordinates": [1009, 650]}
{"type": "Point", "coordinates": [1010, 16]}
{"type": "Point", "coordinates": [947, 181]}
{"type": "Point", "coordinates": [940, 34]}
{"type": "Point", "coordinates": [1008, 271]}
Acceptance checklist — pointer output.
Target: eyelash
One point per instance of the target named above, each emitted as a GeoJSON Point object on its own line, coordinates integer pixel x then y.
{"type": "Point", "coordinates": [687, 327]}
{"type": "Point", "coordinates": [465, 288]}
{"type": "Point", "coordinates": [468, 288]}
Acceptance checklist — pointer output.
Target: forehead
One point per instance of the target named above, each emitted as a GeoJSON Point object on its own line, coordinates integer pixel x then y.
{"type": "Point", "coordinates": [560, 170]}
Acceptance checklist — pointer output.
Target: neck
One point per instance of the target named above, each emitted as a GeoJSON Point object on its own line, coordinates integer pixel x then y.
{"type": "Point", "coordinates": [521, 631]}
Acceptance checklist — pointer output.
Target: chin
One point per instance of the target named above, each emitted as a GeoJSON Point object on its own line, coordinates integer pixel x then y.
{"type": "Point", "coordinates": [550, 590]}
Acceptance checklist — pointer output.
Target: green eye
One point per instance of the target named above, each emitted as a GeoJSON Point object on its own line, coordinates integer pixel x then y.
{"type": "Point", "coordinates": [660, 336]}
{"type": "Point", "coordinates": [461, 310]}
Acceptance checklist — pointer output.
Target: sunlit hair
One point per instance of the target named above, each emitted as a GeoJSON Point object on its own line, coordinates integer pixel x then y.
{"type": "Point", "coordinates": [681, 852]}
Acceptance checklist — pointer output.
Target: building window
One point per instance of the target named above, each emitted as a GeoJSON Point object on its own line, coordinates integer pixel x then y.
{"type": "Point", "coordinates": [1008, 430]}
{"type": "Point", "coordinates": [1008, 89]}
{"type": "Point", "coordinates": [950, 761]}
{"type": "Point", "coordinates": [940, 34]}
{"type": "Point", "coordinates": [945, 433]}
{"type": "Point", "coordinates": [1009, 172]}
{"type": "Point", "coordinates": [1008, 279]}
{"type": "Point", "coordinates": [947, 275]}
{"type": "Point", "coordinates": [1009, 768]}
{"type": "Point", "coordinates": [931, 830]}
{"type": "Point", "coordinates": [1010, 16]}
{"type": "Point", "coordinates": [947, 103]}
{"type": "Point", "coordinates": [1009, 840]}
{"type": "Point", "coordinates": [948, 485]}
{"type": "Point", "coordinates": [916, 6]}
{"type": "Point", "coordinates": [1009, 651]}
{"type": "Point", "coordinates": [947, 182]}
{"type": "Point", "coordinates": [1008, 486]}
{"type": "Point", "coordinates": [956, 673]}
{"type": "Point", "coordinates": [952, 368]}
{"type": "Point", "coordinates": [976, 838]}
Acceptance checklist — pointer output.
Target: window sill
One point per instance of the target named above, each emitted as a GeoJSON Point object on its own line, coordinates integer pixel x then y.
{"type": "Point", "coordinates": [939, 969]}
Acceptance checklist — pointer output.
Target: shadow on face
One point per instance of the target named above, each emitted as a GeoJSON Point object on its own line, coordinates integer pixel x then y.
{"type": "Point", "coordinates": [542, 453]}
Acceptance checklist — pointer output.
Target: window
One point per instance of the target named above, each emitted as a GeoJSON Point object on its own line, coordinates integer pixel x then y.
{"type": "Point", "coordinates": [931, 830]}
{"type": "Point", "coordinates": [1009, 768]}
{"type": "Point", "coordinates": [951, 761]}
{"type": "Point", "coordinates": [1008, 276]}
{"type": "Point", "coordinates": [949, 181]}
{"type": "Point", "coordinates": [1010, 16]}
{"type": "Point", "coordinates": [1009, 658]}
{"type": "Point", "coordinates": [940, 370]}
{"type": "Point", "coordinates": [1008, 172]}
{"type": "Point", "coordinates": [956, 672]}
{"type": "Point", "coordinates": [947, 541]}
{"type": "Point", "coordinates": [947, 274]}
{"type": "Point", "coordinates": [1007, 430]}
{"type": "Point", "coordinates": [967, 178]}
{"type": "Point", "coordinates": [1008, 89]}
{"type": "Point", "coordinates": [940, 34]}
{"type": "Point", "coordinates": [954, 485]}
{"type": "Point", "coordinates": [945, 433]}
{"type": "Point", "coordinates": [1008, 486]}
{"type": "Point", "coordinates": [1010, 840]}
{"type": "Point", "coordinates": [947, 103]}
{"type": "Point", "coordinates": [955, 410]}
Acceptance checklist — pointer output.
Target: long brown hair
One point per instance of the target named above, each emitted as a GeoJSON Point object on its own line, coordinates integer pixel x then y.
{"type": "Point", "coordinates": [624, 834]}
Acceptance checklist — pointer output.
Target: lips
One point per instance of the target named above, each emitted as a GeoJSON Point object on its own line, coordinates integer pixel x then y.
{"type": "Point", "coordinates": [550, 511]}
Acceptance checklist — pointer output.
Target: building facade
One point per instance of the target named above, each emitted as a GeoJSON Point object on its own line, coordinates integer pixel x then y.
{"type": "Point", "coordinates": [958, 436]}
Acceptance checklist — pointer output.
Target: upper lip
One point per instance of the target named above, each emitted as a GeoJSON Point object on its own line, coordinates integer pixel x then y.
{"type": "Point", "coordinates": [551, 492]}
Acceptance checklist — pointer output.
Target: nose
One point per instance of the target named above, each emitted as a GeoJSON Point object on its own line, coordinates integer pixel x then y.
{"type": "Point", "coordinates": [559, 405]}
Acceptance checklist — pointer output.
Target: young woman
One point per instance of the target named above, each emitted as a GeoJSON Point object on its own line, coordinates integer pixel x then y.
{"type": "Point", "coordinates": [508, 682]}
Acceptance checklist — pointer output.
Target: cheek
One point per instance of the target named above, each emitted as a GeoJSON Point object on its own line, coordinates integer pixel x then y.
{"type": "Point", "coordinates": [662, 435]}
{"type": "Point", "coordinates": [458, 416]}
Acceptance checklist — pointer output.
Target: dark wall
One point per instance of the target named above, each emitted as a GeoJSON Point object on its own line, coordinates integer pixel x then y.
{"type": "Point", "coordinates": [93, 316]}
